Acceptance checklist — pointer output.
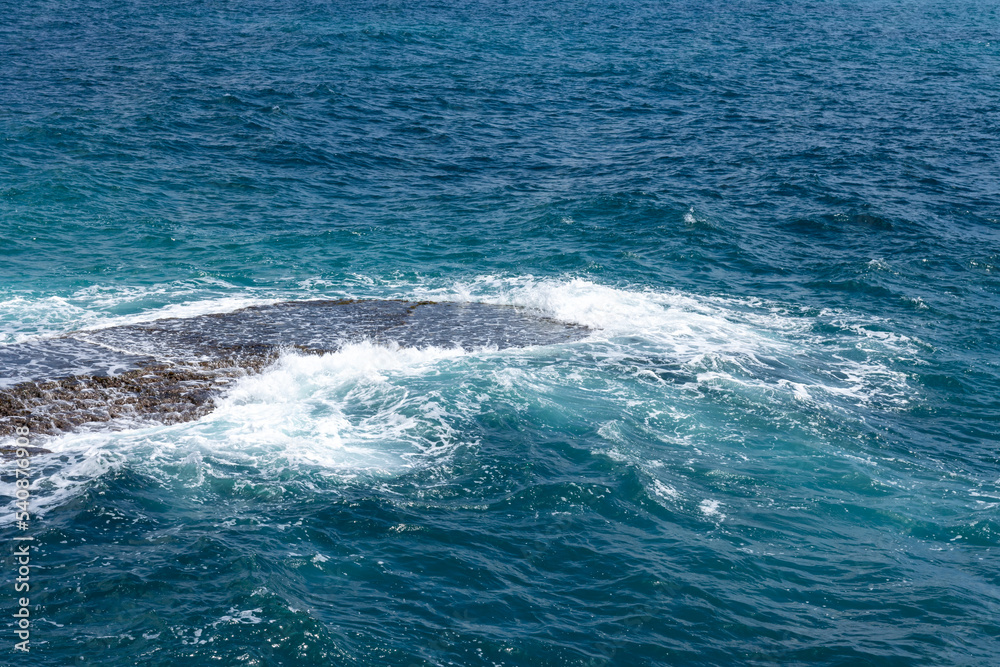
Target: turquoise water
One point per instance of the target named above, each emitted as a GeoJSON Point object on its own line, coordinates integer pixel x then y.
{"type": "Point", "coordinates": [777, 444]}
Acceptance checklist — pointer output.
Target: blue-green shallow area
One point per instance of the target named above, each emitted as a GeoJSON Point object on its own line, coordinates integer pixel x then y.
{"type": "Point", "coordinates": [778, 444]}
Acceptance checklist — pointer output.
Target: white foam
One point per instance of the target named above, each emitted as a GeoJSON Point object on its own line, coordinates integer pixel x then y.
{"type": "Point", "coordinates": [53, 481]}
{"type": "Point", "coordinates": [22, 318]}
{"type": "Point", "coordinates": [235, 616]}
{"type": "Point", "coordinates": [710, 508]}
{"type": "Point", "coordinates": [665, 491]}
{"type": "Point", "coordinates": [344, 414]}
{"type": "Point", "coordinates": [100, 306]}
{"type": "Point", "coordinates": [341, 409]}
{"type": "Point", "coordinates": [687, 326]}
{"type": "Point", "coordinates": [737, 339]}
{"type": "Point", "coordinates": [380, 410]}
{"type": "Point", "coordinates": [181, 310]}
{"type": "Point", "coordinates": [729, 336]}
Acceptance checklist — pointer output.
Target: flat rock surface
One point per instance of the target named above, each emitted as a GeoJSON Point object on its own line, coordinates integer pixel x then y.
{"type": "Point", "coordinates": [171, 370]}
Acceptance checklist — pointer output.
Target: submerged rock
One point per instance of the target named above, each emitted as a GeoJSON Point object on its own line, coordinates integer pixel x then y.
{"type": "Point", "coordinates": [171, 370]}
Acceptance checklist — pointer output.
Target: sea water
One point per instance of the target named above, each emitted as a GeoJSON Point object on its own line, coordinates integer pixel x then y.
{"type": "Point", "coordinates": [776, 224]}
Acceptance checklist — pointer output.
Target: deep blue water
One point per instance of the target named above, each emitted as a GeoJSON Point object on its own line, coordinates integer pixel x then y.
{"type": "Point", "coordinates": [777, 445]}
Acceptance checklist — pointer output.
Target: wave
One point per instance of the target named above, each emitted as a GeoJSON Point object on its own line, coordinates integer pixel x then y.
{"type": "Point", "coordinates": [655, 369]}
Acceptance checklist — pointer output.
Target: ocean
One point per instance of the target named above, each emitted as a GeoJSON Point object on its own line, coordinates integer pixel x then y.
{"type": "Point", "coordinates": [500, 333]}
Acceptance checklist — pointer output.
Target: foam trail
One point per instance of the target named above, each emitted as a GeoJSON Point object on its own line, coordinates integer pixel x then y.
{"type": "Point", "coordinates": [374, 410]}
{"type": "Point", "coordinates": [347, 413]}
{"type": "Point", "coordinates": [731, 340]}
{"type": "Point", "coordinates": [23, 318]}
{"type": "Point", "coordinates": [347, 409]}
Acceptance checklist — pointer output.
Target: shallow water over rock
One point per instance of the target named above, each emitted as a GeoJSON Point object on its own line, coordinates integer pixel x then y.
{"type": "Point", "coordinates": [171, 370]}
